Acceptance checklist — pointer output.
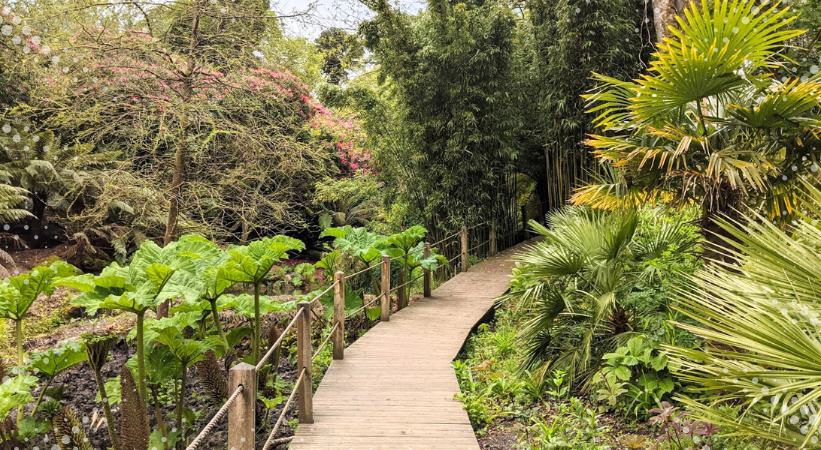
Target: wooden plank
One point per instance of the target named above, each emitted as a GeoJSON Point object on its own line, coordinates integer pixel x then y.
{"type": "Point", "coordinates": [396, 386]}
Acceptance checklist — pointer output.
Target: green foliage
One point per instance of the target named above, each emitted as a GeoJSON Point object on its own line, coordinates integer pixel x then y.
{"type": "Point", "coordinates": [711, 102]}
{"type": "Point", "coordinates": [251, 264]}
{"type": "Point", "coordinates": [15, 392]}
{"type": "Point", "coordinates": [341, 52]}
{"type": "Point", "coordinates": [634, 377]}
{"type": "Point", "coordinates": [577, 288]}
{"type": "Point", "coordinates": [350, 201]}
{"type": "Point", "coordinates": [57, 359]}
{"type": "Point", "coordinates": [571, 425]}
{"type": "Point", "coordinates": [19, 292]}
{"type": "Point", "coordinates": [759, 317]}
{"type": "Point", "coordinates": [450, 70]}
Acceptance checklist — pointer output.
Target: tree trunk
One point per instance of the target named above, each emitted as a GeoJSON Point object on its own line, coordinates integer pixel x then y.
{"type": "Point", "coordinates": [724, 204]}
{"type": "Point", "coordinates": [664, 15]}
{"type": "Point", "coordinates": [181, 149]}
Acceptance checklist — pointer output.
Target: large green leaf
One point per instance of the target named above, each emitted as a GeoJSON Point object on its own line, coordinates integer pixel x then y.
{"type": "Point", "coordinates": [251, 263]}
{"type": "Point", "coordinates": [15, 392]}
{"type": "Point", "coordinates": [53, 361]}
{"type": "Point", "coordinates": [243, 304]}
{"type": "Point", "coordinates": [19, 292]}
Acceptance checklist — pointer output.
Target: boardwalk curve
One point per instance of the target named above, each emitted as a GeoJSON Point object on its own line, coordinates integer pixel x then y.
{"type": "Point", "coordinates": [395, 388]}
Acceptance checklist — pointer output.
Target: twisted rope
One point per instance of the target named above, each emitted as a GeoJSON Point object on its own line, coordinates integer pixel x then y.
{"type": "Point", "coordinates": [478, 245]}
{"type": "Point", "coordinates": [214, 420]}
{"type": "Point", "coordinates": [348, 277]}
{"type": "Point", "coordinates": [270, 441]}
{"type": "Point", "coordinates": [362, 308]}
{"type": "Point", "coordinates": [325, 342]}
{"type": "Point", "coordinates": [278, 342]}
{"type": "Point", "coordinates": [408, 282]}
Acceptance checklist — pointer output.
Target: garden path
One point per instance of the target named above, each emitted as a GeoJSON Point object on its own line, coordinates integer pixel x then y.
{"type": "Point", "coordinates": [395, 388]}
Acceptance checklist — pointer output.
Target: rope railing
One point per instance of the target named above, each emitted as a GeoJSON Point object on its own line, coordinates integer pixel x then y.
{"type": "Point", "coordinates": [409, 282]}
{"type": "Point", "coordinates": [206, 430]}
{"type": "Point", "coordinates": [278, 342]}
{"type": "Point", "coordinates": [243, 377]}
{"type": "Point", "coordinates": [479, 245]}
{"type": "Point", "coordinates": [325, 341]}
{"type": "Point", "coordinates": [450, 236]}
{"type": "Point", "coordinates": [271, 436]}
{"type": "Point", "coordinates": [355, 274]}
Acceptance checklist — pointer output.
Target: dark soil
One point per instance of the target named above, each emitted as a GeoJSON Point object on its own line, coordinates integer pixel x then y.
{"type": "Point", "coordinates": [501, 435]}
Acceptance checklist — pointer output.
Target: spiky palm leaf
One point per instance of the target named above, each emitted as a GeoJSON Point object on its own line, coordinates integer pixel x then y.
{"type": "Point", "coordinates": [577, 274]}
{"type": "Point", "coordinates": [761, 320]}
{"type": "Point", "coordinates": [709, 121]}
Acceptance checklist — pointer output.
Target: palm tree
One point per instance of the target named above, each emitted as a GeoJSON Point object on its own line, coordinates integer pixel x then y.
{"type": "Point", "coordinates": [711, 122]}
{"type": "Point", "coordinates": [571, 285]}
{"type": "Point", "coordinates": [760, 317]}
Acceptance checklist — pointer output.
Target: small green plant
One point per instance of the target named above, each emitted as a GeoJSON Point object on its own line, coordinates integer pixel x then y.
{"type": "Point", "coordinates": [54, 361]}
{"type": "Point", "coordinates": [634, 377]}
{"type": "Point", "coordinates": [570, 425]}
{"type": "Point", "coordinates": [18, 293]}
{"type": "Point", "coordinates": [250, 264]}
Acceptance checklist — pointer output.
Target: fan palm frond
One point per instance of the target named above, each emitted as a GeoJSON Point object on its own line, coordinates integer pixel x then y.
{"type": "Point", "coordinates": [761, 320]}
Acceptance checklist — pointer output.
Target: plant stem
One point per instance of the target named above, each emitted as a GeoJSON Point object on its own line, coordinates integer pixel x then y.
{"type": "Point", "coordinates": [158, 416]}
{"type": "Point", "coordinates": [21, 358]}
{"type": "Point", "coordinates": [40, 397]}
{"type": "Point", "coordinates": [256, 323]}
{"type": "Point", "coordinates": [109, 418]}
{"type": "Point", "coordinates": [215, 315]}
{"type": "Point", "coordinates": [181, 404]}
{"type": "Point", "coordinates": [18, 337]}
{"type": "Point", "coordinates": [141, 356]}
{"type": "Point", "coordinates": [701, 117]}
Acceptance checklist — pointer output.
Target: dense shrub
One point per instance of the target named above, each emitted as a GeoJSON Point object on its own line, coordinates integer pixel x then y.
{"type": "Point", "coordinates": [595, 279]}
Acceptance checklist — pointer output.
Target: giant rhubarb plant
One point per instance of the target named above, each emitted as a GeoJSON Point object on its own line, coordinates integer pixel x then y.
{"type": "Point", "coordinates": [251, 264]}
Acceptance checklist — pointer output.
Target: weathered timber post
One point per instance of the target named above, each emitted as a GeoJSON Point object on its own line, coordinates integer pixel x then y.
{"type": "Point", "coordinates": [491, 240]}
{"type": "Point", "coordinates": [339, 315]}
{"type": "Point", "coordinates": [304, 356]}
{"type": "Point", "coordinates": [385, 301]}
{"type": "Point", "coordinates": [428, 278]}
{"type": "Point", "coordinates": [400, 291]}
{"type": "Point", "coordinates": [242, 413]}
{"type": "Point", "coordinates": [463, 237]}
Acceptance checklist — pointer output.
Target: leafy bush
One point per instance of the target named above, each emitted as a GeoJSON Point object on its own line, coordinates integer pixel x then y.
{"type": "Point", "coordinates": [759, 317]}
{"type": "Point", "coordinates": [580, 287]}
{"type": "Point", "coordinates": [634, 377]}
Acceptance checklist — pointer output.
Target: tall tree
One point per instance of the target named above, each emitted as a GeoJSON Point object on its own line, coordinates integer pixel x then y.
{"type": "Point", "coordinates": [451, 69]}
{"type": "Point", "coordinates": [341, 53]}
{"type": "Point", "coordinates": [560, 43]}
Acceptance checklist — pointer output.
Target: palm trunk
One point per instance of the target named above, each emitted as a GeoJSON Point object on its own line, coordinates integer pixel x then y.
{"type": "Point", "coordinates": [664, 15]}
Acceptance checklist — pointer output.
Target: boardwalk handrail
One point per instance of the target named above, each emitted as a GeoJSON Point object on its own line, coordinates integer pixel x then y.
{"type": "Point", "coordinates": [241, 404]}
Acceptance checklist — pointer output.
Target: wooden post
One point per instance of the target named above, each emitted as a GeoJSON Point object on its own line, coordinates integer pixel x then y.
{"type": "Point", "coordinates": [242, 413]}
{"type": "Point", "coordinates": [303, 357]}
{"type": "Point", "coordinates": [427, 280]}
{"type": "Point", "coordinates": [463, 237]}
{"type": "Point", "coordinates": [386, 289]}
{"type": "Point", "coordinates": [339, 315]}
{"type": "Point", "coordinates": [491, 240]}
{"type": "Point", "coordinates": [400, 292]}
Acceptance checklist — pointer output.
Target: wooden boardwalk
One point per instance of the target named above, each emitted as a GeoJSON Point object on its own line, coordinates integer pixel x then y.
{"type": "Point", "coordinates": [395, 388]}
